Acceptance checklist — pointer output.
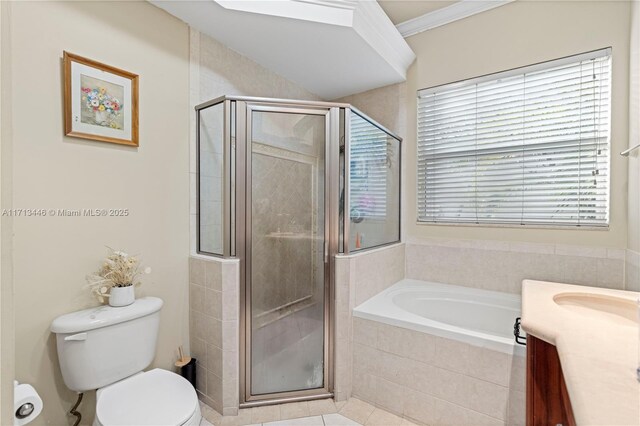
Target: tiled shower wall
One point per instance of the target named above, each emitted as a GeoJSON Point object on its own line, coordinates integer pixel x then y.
{"type": "Point", "coordinates": [213, 330]}
{"type": "Point", "coordinates": [287, 265]}
{"type": "Point", "coordinates": [501, 266]}
{"type": "Point", "coordinates": [215, 70]}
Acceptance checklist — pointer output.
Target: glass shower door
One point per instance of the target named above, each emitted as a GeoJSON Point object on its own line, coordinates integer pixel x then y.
{"type": "Point", "coordinates": [286, 270]}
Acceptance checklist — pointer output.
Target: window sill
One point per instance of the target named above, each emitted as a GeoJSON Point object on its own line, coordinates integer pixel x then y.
{"type": "Point", "coordinates": [516, 226]}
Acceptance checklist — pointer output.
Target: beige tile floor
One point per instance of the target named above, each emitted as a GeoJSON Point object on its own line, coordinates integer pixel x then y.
{"type": "Point", "coordinates": [324, 412]}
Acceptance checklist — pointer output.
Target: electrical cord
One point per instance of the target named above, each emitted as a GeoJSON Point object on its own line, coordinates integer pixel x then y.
{"type": "Point", "coordinates": [77, 413]}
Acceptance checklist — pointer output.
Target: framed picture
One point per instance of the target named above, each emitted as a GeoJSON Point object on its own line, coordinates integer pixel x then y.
{"type": "Point", "coordinates": [100, 101]}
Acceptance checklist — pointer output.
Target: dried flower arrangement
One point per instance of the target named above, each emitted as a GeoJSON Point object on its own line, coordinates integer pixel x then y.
{"type": "Point", "coordinates": [118, 270]}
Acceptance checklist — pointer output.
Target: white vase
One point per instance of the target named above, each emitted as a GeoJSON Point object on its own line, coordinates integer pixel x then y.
{"type": "Point", "coordinates": [101, 117]}
{"type": "Point", "coordinates": [121, 296]}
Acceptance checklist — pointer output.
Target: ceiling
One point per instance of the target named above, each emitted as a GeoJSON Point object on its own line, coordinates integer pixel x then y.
{"type": "Point", "coordinates": [403, 10]}
{"type": "Point", "coordinates": [332, 48]}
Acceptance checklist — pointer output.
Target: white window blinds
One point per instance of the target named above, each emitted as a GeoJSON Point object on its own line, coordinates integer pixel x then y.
{"type": "Point", "coordinates": [527, 146]}
{"type": "Point", "coordinates": [368, 175]}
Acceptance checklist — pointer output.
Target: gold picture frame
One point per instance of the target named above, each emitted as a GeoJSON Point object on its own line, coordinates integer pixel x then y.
{"type": "Point", "coordinates": [100, 101]}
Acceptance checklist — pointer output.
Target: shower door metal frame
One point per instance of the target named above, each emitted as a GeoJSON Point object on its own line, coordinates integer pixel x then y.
{"type": "Point", "coordinates": [244, 111]}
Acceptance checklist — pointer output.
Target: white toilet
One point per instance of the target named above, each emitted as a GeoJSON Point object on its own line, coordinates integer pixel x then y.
{"type": "Point", "coordinates": [106, 348]}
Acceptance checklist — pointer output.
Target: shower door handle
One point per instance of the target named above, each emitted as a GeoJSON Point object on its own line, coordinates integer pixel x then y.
{"type": "Point", "coordinates": [325, 248]}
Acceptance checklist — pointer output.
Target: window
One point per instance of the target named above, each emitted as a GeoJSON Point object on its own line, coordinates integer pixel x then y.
{"type": "Point", "coordinates": [524, 147]}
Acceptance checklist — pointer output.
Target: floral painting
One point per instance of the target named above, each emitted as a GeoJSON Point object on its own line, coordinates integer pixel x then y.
{"type": "Point", "coordinates": [101, 103]}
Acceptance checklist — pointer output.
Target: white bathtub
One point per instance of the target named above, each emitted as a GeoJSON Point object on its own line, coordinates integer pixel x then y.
{"type": "Point", "coordinates": [479, 317]}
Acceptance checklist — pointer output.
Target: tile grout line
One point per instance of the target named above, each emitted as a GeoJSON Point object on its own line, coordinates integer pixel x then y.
{"type": "Point", "coordinates": [433, 366]}
{"type": "Point", "coordinates": [444, 400]}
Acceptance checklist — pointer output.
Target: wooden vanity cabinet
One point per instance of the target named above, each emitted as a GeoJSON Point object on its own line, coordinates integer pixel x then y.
{"type": "Point", "coordinates": [547, 398]}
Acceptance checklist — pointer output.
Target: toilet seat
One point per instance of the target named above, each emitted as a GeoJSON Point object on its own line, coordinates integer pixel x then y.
{"type": "Point", "coordinates": [157, 397]}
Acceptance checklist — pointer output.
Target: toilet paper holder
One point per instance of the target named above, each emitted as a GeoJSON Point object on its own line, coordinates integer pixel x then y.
{"type": "Point", "coordinates": [25, 410]}
{"type": "Point", "coordinates": [27, 404]}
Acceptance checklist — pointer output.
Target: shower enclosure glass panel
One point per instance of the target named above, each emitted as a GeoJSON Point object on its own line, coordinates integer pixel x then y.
{"type": "Point", "coordinates": [374, 185]}
{"type": "Point", "coordinates": [284, 186]}
{"type": "Point", "coordinates": [287, 278]}
{"type": "Point", "coordinates": [210, 178]}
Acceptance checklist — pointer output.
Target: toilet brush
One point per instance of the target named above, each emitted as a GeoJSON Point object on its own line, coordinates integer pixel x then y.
{"type": "Point", "coordinates": [187, 366]}
{"type": "Point", "coordinates": [184, 360]}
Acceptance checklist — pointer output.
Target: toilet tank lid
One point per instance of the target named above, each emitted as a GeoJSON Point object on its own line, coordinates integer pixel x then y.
{"type": "Point", "coordinates": [103, 316]}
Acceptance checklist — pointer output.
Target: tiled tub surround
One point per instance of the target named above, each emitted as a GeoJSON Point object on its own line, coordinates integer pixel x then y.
{"type": "Point", "coordinates": [213, 332]}
{"type": "Point", "coordinates": [436, 380]}
{"type": "Point", "coordinates": [501, 266]}
{"type": "Point", "coordinates": [357, 278]}
{"type": "Point", "coordinates": [632, 271]}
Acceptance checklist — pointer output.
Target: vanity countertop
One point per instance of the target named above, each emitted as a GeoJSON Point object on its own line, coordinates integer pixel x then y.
{"type": "Point", "coordinates": [595, 332]}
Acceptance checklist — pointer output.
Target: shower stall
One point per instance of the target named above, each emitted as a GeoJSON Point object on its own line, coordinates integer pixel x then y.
{"type": "Point", "coordinates": [285, 186]}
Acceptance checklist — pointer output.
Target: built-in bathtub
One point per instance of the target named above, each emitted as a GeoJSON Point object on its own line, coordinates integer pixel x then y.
{"type": "Point", "coordinates": [440, 354]}
{"type": "Point", "coordinates": [479, 317]}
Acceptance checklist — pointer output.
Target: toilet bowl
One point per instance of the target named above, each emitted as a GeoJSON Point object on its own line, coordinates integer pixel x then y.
{"type": "Point", "coordinates": [157, 397]}
{"type": "Point", "coordinates": [106, 349]}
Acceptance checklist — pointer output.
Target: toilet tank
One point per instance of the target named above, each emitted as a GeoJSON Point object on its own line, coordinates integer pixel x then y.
{"type": "Point", "coordinates": [99, 346]}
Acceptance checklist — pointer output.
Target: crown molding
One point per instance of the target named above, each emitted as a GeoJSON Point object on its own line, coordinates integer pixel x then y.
{"type": "Point", "coordinates": [460, 10]}
{"type": "Point", "coordinates": [375, 27]}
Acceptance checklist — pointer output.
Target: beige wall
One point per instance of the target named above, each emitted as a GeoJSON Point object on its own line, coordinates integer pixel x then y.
{"type": "Point", "coordinates": [7, 342]}
{"type": "Point", "coordinates": [519, 34]}
{"type": "Point", "coordinates": [634, 128]}
{"type": "Point", "coordinates": [52, 255]}
{"type": "Point", "coordinates": [632, 268]}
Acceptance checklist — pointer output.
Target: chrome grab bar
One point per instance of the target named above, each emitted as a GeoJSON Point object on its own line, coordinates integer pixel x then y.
{"type": "Point", "coordinates": [626, 152]}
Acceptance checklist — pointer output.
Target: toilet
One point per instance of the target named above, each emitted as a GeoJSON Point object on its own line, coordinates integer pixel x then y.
{"type": "Point", "coordinates": [106, 349]}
